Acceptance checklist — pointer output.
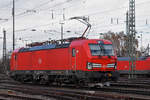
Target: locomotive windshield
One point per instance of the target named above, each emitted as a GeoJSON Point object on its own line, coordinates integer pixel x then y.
{"type": "Point", "coordinates": [101, 49]}
{"type": "Point", "coordinates": [108, 49]}
{"type": "Point", "coordinates": [95, 49]}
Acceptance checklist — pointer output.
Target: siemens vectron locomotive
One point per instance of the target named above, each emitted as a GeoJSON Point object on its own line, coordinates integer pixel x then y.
{"type": "Point", "coordinates": [78, 60]}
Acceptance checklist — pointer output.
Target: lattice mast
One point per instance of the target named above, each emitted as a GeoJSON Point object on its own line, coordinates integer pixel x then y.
{"type": "Point", "coordinates": [131, 36]}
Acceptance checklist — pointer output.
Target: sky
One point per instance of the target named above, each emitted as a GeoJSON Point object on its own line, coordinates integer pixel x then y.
{"type": "Point", "coordinates": [39, 20]}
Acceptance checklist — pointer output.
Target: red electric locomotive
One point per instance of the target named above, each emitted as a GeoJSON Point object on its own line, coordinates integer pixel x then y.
{"type": "Point", "coordinates": [79, 60]}
{"type": "Point", "coordinates": [142, 65]}
{"type": "Point", "coordinates": [74, 60]}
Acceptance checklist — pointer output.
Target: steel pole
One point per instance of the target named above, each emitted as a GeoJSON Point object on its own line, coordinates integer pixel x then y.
{"type": "Point", "coordinates": [13, 14]}
{"type": "Point", "coordinates": [62, 33]}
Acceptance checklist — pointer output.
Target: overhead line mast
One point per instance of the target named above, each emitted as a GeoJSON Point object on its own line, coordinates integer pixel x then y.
{"type": "Point", "coordinates": [131, 36]}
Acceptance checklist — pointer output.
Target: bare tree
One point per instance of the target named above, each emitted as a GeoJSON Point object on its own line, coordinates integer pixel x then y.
{"type": "Point", "coordinates": [119, 41]}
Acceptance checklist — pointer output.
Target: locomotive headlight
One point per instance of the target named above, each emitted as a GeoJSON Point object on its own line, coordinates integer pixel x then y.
{"type": "Point", "coordinates": [111, 65]}
{"type": "Point", "coordinates": [89, 65]}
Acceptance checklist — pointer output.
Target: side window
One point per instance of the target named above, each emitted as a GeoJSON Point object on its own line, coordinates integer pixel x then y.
{"type": "Point", "coordinates": [73, 52]}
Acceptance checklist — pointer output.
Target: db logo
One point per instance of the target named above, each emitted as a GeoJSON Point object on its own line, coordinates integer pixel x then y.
{"type": "Point", "coordinates": [40, 61]}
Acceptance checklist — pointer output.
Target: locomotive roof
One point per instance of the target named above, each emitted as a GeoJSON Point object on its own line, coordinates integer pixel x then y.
{"type": "Point", "coordinates": [104, 41]}
{"type": "Point", "coordinates": [44, 47]}
{"type": "Point", "coordinates": [56, 45]}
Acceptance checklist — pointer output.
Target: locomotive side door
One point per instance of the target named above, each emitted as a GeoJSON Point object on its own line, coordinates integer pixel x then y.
{"type": "Point", "coordinates": [74, 59]}
{"type": "Point", "coordinates": [15, 61]}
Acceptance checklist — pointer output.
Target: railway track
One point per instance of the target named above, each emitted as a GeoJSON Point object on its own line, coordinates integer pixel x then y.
{"type": "Point", "coordinates": [4, 96]}
{"type": "Point", "coordinates": [67, 93]}
{"type": "Point", "coordinates": [135, 80]}
{"type": "Point", "coordinates": [129, 85]}
{"type": "Point", "coordinates": [17, 91]}
{"type": "Point", "coordinates": [125, 90]}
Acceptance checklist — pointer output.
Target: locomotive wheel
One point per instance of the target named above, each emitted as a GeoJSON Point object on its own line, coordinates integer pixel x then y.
{"type": "Point", "coordinates": [43, 81]}
{"type": "Point", "coordinates": [15, 77]}
{"type": "Point", "coordinates": [82, 83]}
{"type": "Point", "coordinates": [34, 81]}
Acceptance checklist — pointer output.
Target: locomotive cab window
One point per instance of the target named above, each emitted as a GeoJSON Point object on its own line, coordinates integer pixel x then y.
{"type": "Point", "coordinates": [73, 52]}
{"type": "Point", "coordinates": [95, 49]}
{"type": "Point", "coordinates": [108, 50]}
{"type": "Point", "coordinates": [101, 49]}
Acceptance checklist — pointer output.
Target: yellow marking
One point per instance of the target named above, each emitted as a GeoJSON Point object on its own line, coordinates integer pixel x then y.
{"type": "Point", "coordinates": [109, 74]}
